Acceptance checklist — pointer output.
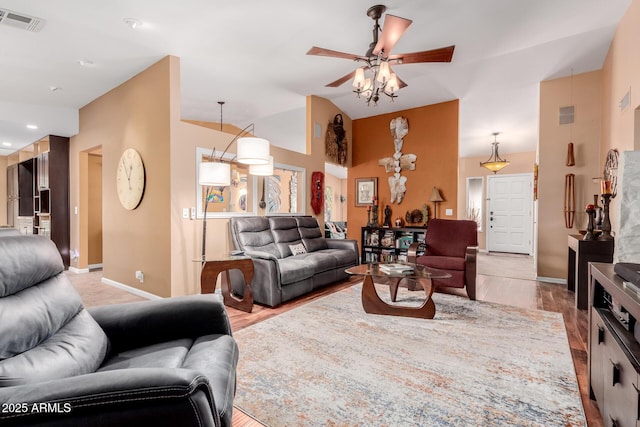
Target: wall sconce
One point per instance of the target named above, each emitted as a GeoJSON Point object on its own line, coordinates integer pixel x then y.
{"type": "Point", "coordinates": [436, 198]}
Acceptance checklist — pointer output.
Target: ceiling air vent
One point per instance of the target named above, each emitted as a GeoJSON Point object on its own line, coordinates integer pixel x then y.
{"type": "Point", "coordinates": [566, 115]}
{"type": "Point", "coordinates": [20, 20]}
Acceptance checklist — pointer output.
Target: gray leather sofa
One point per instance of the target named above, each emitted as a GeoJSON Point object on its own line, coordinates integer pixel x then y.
{"type": "Point", "coordinates": [169, 362]}
{"type": "Point", "coordinates": [279, 275]}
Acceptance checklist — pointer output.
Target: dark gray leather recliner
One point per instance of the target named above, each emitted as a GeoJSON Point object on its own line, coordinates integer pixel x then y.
{"type": "Point", "coordinates": [167, 362]}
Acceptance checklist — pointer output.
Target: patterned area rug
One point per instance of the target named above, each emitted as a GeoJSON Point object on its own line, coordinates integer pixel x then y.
{"type": "Point", "coordinates": [328, 363]}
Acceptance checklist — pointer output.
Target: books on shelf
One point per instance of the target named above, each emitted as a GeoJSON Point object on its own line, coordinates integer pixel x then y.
{"type": "Point", "coordinates": [373, 239]}
{"type": "Point", "coordinates": [396, 268]}
{"type": "Point", "coordinates": [404, 242]}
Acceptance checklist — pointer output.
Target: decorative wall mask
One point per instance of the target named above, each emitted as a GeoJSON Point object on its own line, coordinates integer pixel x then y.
{"type": "Point", "coordinates": [317, 192]}
{"type": "Point", "coordinates": [336, 141]}
{"type": "Point", "coordinates": [397, 183]}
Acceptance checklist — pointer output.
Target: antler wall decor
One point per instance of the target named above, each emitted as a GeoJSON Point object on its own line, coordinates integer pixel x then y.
{"type": "Point", "coordinates": [397, 184]}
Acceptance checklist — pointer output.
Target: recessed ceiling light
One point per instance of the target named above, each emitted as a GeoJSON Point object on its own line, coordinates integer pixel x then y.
{"type": "Point", "coordinates": [7, 144]}
{"type": "Point", "coordinates": [55, 88]}
{"type": "Point", "coordinates": [132, 23]}
{"type": "Point", "coordinates": [86, 63]}
{"type": "Point", "coordinates": [32, 127]}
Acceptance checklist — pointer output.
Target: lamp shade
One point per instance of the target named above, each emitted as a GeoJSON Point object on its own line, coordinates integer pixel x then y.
{"type": "Point", "coordinates": [383, 73]}
{"type": "Point", "coordinates": [253, 151]}
{"type": "Point", "coordinates": [392, 84]}
{"type": "Point", "coordinates": [436, 196]}
{"type": "Point", "coordinates": [215, 174]}
{"type": "Point", "coordinates": [262, 170]}
{"type": "Point", "coordinates": [358, 81]}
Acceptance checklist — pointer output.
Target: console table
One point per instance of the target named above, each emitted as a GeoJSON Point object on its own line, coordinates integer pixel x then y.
{"type": "Point", "coordinates": [581, 253]}
{"type": "Point", "coordinates": [614, 350]}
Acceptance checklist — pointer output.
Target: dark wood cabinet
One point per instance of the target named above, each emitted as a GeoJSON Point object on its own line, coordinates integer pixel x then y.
{"type": "Point", "coordinates": [390, 244]}
{"type": "Point", "coordinates": [43, 191]}
{"type": "Point", "coordinates": [614, 350]}
{"type": "Point", "coordinates": [25, 188]}
{"type": "Point", "coordinates": [581, 253]}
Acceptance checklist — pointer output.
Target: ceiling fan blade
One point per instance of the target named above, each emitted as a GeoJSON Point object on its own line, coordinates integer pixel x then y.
{"type": "Point", "coordinates": [341, 80]}
{"type": "Point", "coordinates": [392, 30]}
{"type": "Point", "coordinates": [319, 51]}
{"type": "Point", "coordinates": [443, 54]}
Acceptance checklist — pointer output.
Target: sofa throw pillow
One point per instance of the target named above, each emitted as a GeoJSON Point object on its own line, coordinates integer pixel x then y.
{"type": "Point", "coordinates": [297, 249]}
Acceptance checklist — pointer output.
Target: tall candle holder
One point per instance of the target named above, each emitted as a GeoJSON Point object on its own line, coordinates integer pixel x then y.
{"type": "Point", "coordinates": [589, 235]}
{"type": "Point", "coordinates": [374, 214]}
{"type": "Point", "coordinates": [606, 222]}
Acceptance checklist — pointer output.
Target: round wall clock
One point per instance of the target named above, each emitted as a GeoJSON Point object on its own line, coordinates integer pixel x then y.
{"type": "Point", "coordinates": [130, 179]}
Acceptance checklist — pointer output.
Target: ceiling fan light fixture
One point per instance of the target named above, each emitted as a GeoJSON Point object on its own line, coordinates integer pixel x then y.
{"type": "Point", "coordinates": [383, 73]}
{"type": "Point", "coordinates": [392, 85]}
{"type": "Point", "coordinates": [358, 80]}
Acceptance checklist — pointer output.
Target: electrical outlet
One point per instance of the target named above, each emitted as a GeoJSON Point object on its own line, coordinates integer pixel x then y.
{"type": "Point", "coordinates": [185, 213]}
{"type": "Point", "coordinates": [448, 212]}
{"type": "Point", "coordinates": [140, 276]}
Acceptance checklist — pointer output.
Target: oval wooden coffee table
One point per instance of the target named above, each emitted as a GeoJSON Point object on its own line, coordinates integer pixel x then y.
{"type": "Point", "coordinates": [373, 304]}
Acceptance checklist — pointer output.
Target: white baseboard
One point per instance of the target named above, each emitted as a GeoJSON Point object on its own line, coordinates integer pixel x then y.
{"type": "Point", "coordinates": [78, 270]}
{"type": "Point", "coordinates": [131, 289]}
{"type": "Point", "coordinates": [551, 280]}
{"type": "Point", "coordinates": [95, 266]}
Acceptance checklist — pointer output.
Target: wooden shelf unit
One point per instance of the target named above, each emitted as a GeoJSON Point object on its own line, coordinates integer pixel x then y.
{"type": "Point", "coordinates": [43, 184]}
{"type": "Point", "coordinates": [388, 244]}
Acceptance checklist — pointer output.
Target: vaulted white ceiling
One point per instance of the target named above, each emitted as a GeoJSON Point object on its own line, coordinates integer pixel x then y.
{"type": "Point", "coordinates": [252, 54]}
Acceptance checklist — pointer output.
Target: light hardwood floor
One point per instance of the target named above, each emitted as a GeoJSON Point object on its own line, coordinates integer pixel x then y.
{"type": "Point", "coordinates": [494, 288]}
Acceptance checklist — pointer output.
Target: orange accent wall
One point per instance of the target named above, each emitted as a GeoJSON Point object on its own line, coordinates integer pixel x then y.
{"type": "Point", "coordinates": [432, 137]}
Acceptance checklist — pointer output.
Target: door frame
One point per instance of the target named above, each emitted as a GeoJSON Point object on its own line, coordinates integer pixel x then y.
{"type": "Point", "coordinates": [531, 208]}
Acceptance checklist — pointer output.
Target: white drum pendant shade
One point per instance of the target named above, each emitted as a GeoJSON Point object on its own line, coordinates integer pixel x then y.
{"type": "Point", "coordinates": [253, 151]}
{"type": "Point", "coordinates": [216, 174]}
{"type": "Point", "coordinates": [262, 170]}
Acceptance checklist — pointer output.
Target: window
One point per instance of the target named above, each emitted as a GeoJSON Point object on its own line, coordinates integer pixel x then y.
{"type": "Point", "coordinates": [285, 190]}
{"type": "Point", "coordinates": [474, 200]}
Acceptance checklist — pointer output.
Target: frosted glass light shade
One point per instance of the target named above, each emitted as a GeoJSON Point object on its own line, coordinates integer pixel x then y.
{"type": "Point", "coordinates": [383, 73]}
{"type": "Point", "coordinates": [392, 84]}
{"type": "Point", "coordinates": [358, 80]}
{"type": "Point", "coordinates": [216, 174]}
{"type": "Point", "coordinates": [262, 170]}
{"type": "Point", "coordinates": [253, 151]}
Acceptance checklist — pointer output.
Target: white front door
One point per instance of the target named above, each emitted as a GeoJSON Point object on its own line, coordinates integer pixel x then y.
{"type": "Point", "coordinates": [510, 213]}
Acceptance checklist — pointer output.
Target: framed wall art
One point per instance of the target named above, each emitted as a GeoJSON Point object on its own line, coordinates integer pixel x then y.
{"type": "Point", "coordinates": [366, 190]}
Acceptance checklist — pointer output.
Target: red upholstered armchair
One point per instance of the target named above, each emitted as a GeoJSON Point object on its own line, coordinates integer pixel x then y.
{"type": "Point", "coordinates": [450, 245]}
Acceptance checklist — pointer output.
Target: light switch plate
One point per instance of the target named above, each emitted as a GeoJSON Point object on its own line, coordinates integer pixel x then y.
{"type": "Point", "coordinates": [185, 213]}
{"type": "Point", "coordinates": [193, 213]}
{"type": "Point", "coordinates": [448, 212]}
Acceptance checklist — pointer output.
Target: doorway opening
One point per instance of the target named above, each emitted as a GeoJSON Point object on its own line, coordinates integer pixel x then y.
{"type": "Point", "coordinates": [90, 210]}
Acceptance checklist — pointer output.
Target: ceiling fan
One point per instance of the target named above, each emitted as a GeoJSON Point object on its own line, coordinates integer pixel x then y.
{"type": "Point", "coordinates": [378, 58]}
